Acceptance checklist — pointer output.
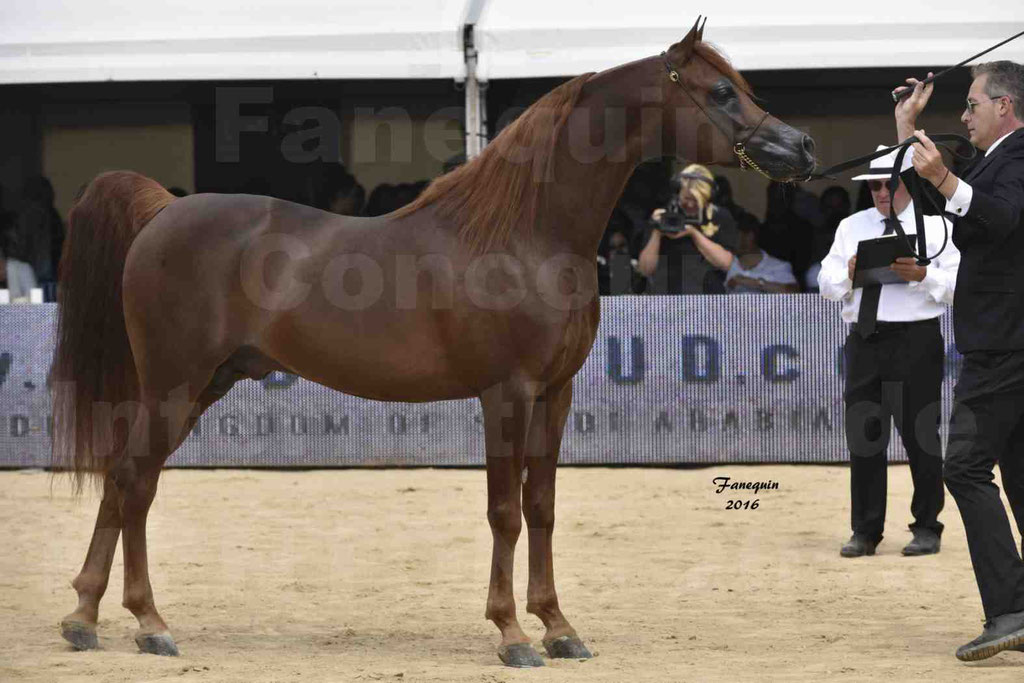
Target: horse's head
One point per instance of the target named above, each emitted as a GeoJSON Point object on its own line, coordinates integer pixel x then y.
{"type": "Point", "coordinates": [746, 134]}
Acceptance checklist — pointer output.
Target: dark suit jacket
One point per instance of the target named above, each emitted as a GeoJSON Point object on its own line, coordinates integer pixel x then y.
{"type": "Point", "coordinates": [988, 306]}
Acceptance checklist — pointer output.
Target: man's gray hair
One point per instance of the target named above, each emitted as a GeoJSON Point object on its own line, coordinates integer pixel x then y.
{"type": "Point", "coordinates": [1004, 78]}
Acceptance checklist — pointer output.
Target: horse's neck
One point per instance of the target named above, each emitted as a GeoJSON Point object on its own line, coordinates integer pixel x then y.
{"type": "Point", "coordinates": [602, 143]}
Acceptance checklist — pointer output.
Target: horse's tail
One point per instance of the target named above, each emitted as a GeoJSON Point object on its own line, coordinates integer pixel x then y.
{"type": "Point", "coordinates": [93, 377]}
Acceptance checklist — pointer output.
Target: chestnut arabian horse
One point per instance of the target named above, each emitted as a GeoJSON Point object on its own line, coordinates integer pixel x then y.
{"type": "Point", "coordinates": [485, 286]}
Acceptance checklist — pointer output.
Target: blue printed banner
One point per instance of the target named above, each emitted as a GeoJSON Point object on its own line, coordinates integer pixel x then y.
{"type": "Point", "coordinates": [680, 379]}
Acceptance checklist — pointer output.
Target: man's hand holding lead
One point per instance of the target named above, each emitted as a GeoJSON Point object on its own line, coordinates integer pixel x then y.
{"type": "Point", "coordinates": [928, 160]}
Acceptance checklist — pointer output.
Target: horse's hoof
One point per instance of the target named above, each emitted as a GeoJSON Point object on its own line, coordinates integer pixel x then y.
{"type": "Point", "coordinates": [567, 647]}
{"type": "Point", "coordinates": [520, 655]}
{"type": "Point", "coordinates": [157, 644]}
{"type": "Point", "coordinates": [82, 636]}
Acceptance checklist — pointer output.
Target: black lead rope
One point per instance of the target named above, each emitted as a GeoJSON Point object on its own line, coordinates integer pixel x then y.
{"type": "Point", "coordinates": [913, 186]}
{"type": "Point", "coordinates": [914, 182]}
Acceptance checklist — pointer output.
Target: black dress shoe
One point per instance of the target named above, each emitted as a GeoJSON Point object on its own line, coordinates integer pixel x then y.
{"type": "Point", "coordinates": [926, 542]}
{"type": "Point", "coordinates": [857, 546]}
{"type": "Point", "coordinates": [1005, 632]}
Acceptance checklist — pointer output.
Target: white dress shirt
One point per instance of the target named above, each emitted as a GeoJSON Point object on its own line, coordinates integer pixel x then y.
{"type": "Point", "coordinates": [960, 202]}
{"type": "Point", "coordinates": [769, 269]}
{"type": "Point", "coordinates": [901, 302]}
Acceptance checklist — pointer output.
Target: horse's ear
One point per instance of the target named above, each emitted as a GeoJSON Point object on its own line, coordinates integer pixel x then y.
{"type": "Point", "coordinates": [680, 52]}
{"type": "Point", "coordinates": [700, 31]}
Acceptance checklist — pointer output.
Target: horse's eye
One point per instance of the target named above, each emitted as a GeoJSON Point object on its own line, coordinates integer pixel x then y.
{"type": "Point", "coordinates": [722, 93]}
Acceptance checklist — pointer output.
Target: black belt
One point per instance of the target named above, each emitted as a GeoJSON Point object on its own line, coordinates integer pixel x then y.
{"type": "Point", "coordinates": [886, 326]}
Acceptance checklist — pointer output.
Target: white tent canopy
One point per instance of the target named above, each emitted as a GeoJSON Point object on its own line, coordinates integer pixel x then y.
{"type": "Point", "coordinates": [47, 41]}
{"type": "Point", "coordinates": [97, 40]}
{"type": "Point", "coordinates": [532, 38]}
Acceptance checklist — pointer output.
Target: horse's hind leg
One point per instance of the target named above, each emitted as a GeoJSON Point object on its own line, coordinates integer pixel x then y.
{"type": "Point", "coordinates": [545, 438]}
{"type": "Point", "coordinates": [79, 627]}
{"type": "Point", "coordinates": [164, 423]}
{"type": "Point", "coordinates": [135, 477]}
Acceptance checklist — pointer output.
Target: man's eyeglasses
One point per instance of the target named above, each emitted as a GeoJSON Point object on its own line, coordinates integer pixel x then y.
{"type": "Point", "coordinates": [877, 185]}
{"type": "Point", "coordinates": [971, 104]}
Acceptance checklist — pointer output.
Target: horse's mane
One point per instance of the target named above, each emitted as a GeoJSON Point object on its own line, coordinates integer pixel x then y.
{"type": "Point", "coordinates": [500, 191]}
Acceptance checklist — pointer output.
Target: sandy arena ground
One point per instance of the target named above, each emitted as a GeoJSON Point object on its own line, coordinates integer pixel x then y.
{"type": "Point", "coordinates": [382, 576]}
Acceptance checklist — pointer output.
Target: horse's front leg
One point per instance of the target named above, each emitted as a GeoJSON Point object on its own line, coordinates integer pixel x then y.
{"type": "Point", "coordinates": [506, 409]}
{"type": "Point", "coordinates": [545, 439]}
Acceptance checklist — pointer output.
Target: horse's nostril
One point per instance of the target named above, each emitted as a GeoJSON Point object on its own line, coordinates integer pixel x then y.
{"type": "Point", "coordinates": [808, 144]}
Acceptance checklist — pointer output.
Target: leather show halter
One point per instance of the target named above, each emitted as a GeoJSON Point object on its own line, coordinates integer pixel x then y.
{"type": "Point", "coordinates": [738, 148]}
{"type": "Point", "coordinates": [921, 253]}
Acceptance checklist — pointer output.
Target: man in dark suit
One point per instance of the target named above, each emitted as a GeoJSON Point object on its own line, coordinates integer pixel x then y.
{"type": "Point", "coordinates": [987, 425]}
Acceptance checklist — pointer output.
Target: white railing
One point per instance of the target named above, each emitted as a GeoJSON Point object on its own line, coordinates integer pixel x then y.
{"type": "Point", "coordinates": [35, 297]}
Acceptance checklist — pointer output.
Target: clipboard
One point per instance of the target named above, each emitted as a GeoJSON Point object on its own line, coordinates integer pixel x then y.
{"type": "Point", "coordinates": [874, 257]}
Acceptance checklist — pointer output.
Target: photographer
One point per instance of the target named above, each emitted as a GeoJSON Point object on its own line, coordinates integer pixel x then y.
{"type": "Point", "coordinates": [675, 265]}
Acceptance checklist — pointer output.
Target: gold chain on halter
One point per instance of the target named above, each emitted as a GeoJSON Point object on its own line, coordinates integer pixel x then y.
{"type": "Point", "coordinates": [740, 151]}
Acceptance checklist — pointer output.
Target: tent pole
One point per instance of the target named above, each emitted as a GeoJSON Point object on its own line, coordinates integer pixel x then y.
{"type": "Point", "coordinates": [476, 112]}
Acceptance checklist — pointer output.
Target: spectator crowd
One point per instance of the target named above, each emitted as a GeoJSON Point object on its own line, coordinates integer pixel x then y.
{"type": "Point", "coordinates": [32, 237]}
{"type": "Point", "coordinates": [730, 251]}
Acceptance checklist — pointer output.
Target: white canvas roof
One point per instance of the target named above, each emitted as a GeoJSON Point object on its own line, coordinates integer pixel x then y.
{"type": "Point", "coordinates": [98, 40]}
{"type": "Point", "coordinates": [529, 38]}
{"type": "Point", "coordinates": [129, 40]}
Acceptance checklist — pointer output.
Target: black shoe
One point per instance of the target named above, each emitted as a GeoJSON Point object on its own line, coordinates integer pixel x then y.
{"type": "Point", "coordinates": [1005, 632]}
{"type": "Point", "coordinates": [857, 546]}
{"type": "Point", "coordinates": [926, 542]}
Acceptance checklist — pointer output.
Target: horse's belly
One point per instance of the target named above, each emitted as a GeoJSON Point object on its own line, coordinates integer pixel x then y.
{"type": "Point", "coordinates": [389, 363]}
{"type": "Point", "coordinates": [425, 354]}
{"type": "Point", "coordinates": [386, 381]}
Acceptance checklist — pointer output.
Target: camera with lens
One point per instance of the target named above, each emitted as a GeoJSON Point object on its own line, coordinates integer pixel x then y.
{"type": "Point", "coordinates": [676, 217]}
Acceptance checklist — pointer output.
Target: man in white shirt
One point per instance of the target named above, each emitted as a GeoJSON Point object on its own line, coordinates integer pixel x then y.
{"type": "Point", "coordinates": [894, 358]}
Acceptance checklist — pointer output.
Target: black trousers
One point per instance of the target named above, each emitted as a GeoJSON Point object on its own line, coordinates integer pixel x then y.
{"type": "Point", "coordinates": [895, 374]}
{"type": "Point", "coordinates": [987, 427]}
